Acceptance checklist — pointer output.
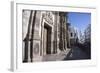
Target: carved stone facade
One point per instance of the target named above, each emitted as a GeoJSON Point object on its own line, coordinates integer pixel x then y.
{"type": "Point", "coordinates": [44, 33]}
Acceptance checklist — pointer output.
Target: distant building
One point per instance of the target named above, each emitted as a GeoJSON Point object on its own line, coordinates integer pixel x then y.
{"type": "Point", "coordinates": [68, 33]}
{"type": "Point", "coordinates": [72, 38]}
{"type": "Point", "coordinates": [44, 32]}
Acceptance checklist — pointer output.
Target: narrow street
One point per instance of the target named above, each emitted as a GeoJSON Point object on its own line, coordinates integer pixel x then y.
{"type": "Point", "coordinates": [76, 54]}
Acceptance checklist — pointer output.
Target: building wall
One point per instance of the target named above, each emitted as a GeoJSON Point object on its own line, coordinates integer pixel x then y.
{"type": "Point", "coordinates": [72, 36]}
{"type": "Point", "coordinates": [34, 24]}
{"type": "Point", "coordinates": [63, 30]}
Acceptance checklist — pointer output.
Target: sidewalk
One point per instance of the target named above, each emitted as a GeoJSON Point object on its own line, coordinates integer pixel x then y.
{"type": "Point", "coordinates": [56, 57]}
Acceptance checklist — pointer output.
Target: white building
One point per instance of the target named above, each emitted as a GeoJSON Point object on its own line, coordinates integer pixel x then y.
{"type": "Point", "coordinates": [73, 36]}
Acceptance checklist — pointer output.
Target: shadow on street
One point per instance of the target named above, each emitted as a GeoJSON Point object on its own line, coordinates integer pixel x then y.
{"type": "Point", "coordinates": [76, 53]}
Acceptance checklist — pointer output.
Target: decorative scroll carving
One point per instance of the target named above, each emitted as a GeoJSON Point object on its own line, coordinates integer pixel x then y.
{"type": "Point", "coordinates": [48, 17]}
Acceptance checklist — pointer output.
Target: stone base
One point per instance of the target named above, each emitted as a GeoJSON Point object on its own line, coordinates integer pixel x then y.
{"type": "Point", "coordinates": [25, 60]}
{"type": "Point", "coordinates": [37, 58]}
{"type": "Point", "coordinates": [58, 51]}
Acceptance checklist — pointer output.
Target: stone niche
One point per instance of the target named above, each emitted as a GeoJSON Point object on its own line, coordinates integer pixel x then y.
{"type": "Point", "coordinates": [36, 51]}
{"type": "Point", "coordinates": [36, 47]}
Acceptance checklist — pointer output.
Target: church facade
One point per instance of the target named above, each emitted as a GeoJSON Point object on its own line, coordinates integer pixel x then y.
{"type": "Point", "coordinates": [43, 33]}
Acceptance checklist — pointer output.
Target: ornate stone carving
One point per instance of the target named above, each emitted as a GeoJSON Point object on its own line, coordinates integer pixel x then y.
{"type": "Point", "coordinates": [48, 17]}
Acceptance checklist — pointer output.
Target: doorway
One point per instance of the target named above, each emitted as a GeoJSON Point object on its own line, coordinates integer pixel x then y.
{"type": "Point", "coordinates": [47, 39]}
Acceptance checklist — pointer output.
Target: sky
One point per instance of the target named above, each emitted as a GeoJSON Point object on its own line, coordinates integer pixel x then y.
{"type": "Point", "coordinates": [79, 20]}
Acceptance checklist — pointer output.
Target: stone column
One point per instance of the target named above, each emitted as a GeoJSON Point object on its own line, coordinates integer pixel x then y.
{"type": "Point", "coordinates": [27, 40]}
{"type": "Point", "coordinates": [36, 38]}
{"type": "Point", "coordinates": [63, 30]}
{"type": "Point", "coordinates": [65, 35]}
{"type": "Point", "coordinates": [55, 34]}
{"type": "Point", "coordinates": [61, 40]}
{"type": "Point", "coordinates": [57, 31]}
{"type": "Point", "coordinates": [32, 36]}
